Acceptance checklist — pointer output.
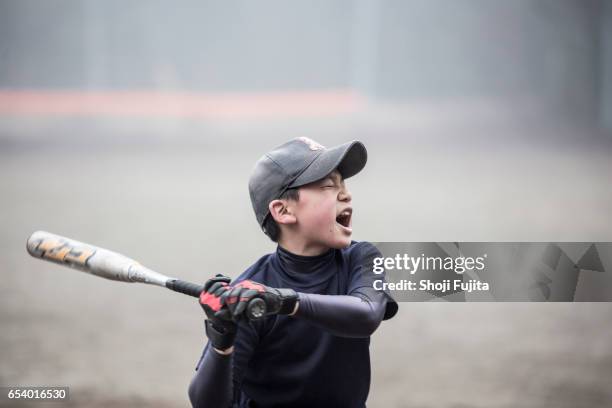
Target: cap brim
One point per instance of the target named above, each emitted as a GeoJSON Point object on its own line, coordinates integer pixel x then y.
{"type": "Point", "coordinates": [349, 158]}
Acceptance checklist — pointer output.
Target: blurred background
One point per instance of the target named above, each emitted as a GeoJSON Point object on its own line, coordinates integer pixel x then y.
{"type": "Point", "coordinates": [134, 126]}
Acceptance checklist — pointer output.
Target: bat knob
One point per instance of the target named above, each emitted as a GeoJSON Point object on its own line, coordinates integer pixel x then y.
{"type": "Point", "coordinates": [256, 309]}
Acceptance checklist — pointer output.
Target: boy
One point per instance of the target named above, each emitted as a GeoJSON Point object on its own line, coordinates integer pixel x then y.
{"type": "Point", "coordinates": [312, 347]}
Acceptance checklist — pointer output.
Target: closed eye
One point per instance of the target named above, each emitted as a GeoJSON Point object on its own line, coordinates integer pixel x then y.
{"type": "Point", "coordinates": [327, 183]}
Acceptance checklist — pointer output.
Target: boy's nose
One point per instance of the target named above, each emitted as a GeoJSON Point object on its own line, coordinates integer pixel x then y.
{"type": "Point", "coordinates": [345, 195]}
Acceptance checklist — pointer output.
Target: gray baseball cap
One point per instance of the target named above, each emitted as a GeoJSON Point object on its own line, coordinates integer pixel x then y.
{"type": "Point", "coordinates": [299, 162]}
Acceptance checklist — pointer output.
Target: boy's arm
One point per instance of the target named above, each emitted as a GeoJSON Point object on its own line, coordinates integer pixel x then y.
{"type": "Point", "coordinates": [212, 384]}
{"type": "Point", "coordinates": [219, 373]}
{"type": "Point", "coordinates": [355, 315]}
{"type": "Point", "coordinates": [359, 313]}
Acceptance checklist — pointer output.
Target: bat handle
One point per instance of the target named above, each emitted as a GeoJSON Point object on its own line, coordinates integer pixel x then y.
{"type": "Point", "coordinates": [184, 287]}
{"type": "Point", "coordinates": [256, 309]}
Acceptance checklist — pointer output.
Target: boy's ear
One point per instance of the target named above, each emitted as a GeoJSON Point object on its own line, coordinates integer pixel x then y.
{"type": "Point", "coordinates": [281, 213]}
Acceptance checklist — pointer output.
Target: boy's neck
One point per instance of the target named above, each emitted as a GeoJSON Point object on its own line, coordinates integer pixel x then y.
{"type": "Point", "coordinates": [302, 248]}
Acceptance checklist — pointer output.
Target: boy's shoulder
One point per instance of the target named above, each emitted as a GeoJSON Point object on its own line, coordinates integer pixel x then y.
{"type": "Point", "coordinates": [361, 249]}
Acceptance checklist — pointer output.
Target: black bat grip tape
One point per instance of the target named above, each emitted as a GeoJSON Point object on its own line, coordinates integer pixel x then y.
{"type": "Point", "coordinates": [187, 288]}
{"type": "Point", "coordinates": [256, 308]}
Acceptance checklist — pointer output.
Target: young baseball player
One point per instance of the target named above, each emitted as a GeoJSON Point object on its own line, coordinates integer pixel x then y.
{"type": "Point", "coordinates": [311, 349]}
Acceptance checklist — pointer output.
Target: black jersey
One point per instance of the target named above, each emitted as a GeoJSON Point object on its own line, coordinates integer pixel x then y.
{"type": "Point", "coordinates": [320, 357]}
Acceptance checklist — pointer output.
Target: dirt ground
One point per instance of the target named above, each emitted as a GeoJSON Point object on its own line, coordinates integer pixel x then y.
{"type": "Point", "coordinates": [174, 196]}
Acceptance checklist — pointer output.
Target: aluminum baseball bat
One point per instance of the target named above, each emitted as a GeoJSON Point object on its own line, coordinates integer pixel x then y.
{"type": "Point", "coordinates": [111, 265]}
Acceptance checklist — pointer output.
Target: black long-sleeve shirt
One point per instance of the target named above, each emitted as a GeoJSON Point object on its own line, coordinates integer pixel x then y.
{"type": "Point", "coordinates": [318, 357]}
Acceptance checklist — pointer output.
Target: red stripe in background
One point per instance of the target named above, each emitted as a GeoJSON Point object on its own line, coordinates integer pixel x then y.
{"type": "Point", "coordinates": [180, 104]}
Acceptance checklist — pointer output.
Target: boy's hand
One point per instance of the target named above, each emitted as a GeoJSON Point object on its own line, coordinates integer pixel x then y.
{"type": "Point", "coordinates": [278, 301]}
{"type": "Point", "coordinates": [220, 329]}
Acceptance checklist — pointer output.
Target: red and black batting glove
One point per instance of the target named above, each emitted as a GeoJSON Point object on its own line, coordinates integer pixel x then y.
{"type": "Point", "coordinates": [220, 329]}
{"type": "Point", "coordinates": [278, 301]}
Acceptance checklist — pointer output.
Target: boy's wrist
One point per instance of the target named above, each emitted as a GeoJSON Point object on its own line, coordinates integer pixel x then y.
{"type": "Point", "coordinates": [221, 334]}
{"type": "Point", "coordinates": [288, 299]}
{"type": "Point", "coordinates": [225, 352]}
{"type": "Point", "coordinates": [295, 308]}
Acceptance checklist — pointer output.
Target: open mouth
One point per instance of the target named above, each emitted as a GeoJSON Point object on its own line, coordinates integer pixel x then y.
{"type": "Point", "coordinates": [344, 218]}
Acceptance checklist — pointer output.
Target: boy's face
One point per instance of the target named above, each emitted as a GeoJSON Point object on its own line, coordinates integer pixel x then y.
{"type": "Point", "coordinates": [324, 213]}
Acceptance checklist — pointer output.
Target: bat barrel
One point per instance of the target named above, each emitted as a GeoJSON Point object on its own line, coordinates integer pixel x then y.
{"type": "Point", "coordinates": [91, 259]}
{"type": "Point", "coordinates": [111, 265]}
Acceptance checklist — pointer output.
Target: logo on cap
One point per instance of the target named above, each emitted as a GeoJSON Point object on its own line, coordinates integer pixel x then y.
{"type": "Point", "coordinates": [311, 143]}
